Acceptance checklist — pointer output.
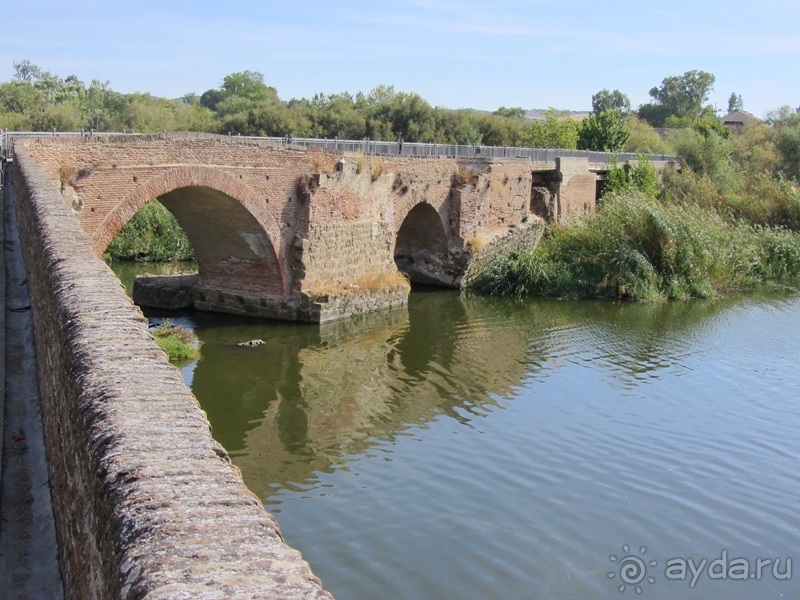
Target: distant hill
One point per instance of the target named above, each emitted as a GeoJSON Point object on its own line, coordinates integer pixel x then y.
{"type": "Point", "coordinates": [539, 113]}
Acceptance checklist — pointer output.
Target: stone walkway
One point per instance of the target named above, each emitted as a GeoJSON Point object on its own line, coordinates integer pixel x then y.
{"type": "Point", "coordinates": [28, 549]}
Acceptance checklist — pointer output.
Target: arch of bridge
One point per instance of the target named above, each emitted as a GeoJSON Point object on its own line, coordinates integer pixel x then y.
{"type": "Point", "coordinates": [222, 217]}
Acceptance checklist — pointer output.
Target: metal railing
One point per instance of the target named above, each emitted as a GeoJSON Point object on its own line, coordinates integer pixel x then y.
{"type": "Point", "coordinates": [7, 138]}
{"type": "Point", "coordinates": [435, 150]}
{"type": "Point", "coordinates": [370, 147]}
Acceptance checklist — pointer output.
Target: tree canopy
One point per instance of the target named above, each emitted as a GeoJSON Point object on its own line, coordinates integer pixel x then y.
{"type": "Point", "coordinates": [605, 132]}
{"type": "Point", "coordinates": [244, 103]}
{"type": "Point", "coordinates": [735, 102]}
{"type": "Point", "coordinates": [555, 130]}
{"type": "Point", "coordinates": [680, 96]}
{"type": "Point", "coordinates": [605, 100]}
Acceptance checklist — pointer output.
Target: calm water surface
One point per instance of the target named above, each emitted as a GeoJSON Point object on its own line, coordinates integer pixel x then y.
{"type": "Point", "coordinates": [478, 448]}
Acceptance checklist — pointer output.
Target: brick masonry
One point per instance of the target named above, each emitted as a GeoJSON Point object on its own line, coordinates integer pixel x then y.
{"type": "Point", "coordinates": [577, 190]}
{"type": "Point", "coordinates": [147, 504]}
{"type": "Point", "coordinates": [273, 224]}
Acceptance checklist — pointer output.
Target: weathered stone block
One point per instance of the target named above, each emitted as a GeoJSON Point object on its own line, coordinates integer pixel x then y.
{"type": "Point", "coordinates": [171, 292]}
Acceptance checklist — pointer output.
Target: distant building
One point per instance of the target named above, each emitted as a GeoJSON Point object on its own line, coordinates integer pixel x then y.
{"type": "Point", "coordinates": [738, 119]}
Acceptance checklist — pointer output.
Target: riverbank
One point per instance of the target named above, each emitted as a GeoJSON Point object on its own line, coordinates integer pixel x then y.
{"type": "Point", "coordinates": [728, 219]}
{"type": "Point", "coordinates": [641, 248]}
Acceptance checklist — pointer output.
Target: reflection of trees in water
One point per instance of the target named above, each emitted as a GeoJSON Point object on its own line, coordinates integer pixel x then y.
{"type": "Point", "coordinates": [635, 341]}
{"type": "Point", "coordinates": [312, 396]}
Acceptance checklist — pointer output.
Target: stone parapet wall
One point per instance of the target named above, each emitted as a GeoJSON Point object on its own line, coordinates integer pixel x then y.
{"type": "Point", "coordinates": [147, 504]}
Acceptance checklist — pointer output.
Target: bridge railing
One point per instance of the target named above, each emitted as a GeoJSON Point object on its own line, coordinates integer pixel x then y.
{"type": "Point", "coordinates": [372, 147]}
{"type": "Point", "coordinates": [435, 150]}
{"type": "Point", "coordinates": [7, 138]}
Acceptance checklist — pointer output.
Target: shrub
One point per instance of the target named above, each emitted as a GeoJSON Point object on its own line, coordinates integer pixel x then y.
{"type": "Point", "coordinates": [177, 341]}
{"type": "Point", "coordinates": [640, 248]}
{"type": "Point", "coordinates": [641, 177]}
{"type": "Point", "coordinates": [708, 155]}
{"type": "Point", "coordinates": [151, 235]}
{"type": "Point", "coordinates": [768, 201]}
{"type": "Point", "coordinates": [644, 139]}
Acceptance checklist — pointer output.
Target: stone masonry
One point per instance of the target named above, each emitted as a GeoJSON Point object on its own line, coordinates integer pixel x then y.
{"type": "Point", "coordinates": [147, 504]}
{"type": "Point", "coordinates": [287, 233]}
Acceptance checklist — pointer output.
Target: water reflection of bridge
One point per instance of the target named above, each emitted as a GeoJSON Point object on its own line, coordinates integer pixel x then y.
{"type": "Point", "coordinates": [307, 398]}
{"type": "Point", "coordinates": [311, 398]}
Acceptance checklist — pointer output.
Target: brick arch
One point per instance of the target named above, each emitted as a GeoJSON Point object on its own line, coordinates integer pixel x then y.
{"type": "Point", "coordinates": [236, 201]}
{"type": "Point", "coordinates": [402, 210]}
{"type": "Point", "coordinates": [421, 246]}
{"type": "Point", "coordinates": [422, 228]}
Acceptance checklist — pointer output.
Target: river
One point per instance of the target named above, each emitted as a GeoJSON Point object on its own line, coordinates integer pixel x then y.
{"type": "Point", "coordinates": [489, 448]}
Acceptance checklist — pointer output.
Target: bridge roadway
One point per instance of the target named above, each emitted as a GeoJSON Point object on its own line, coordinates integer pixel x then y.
{"type": "Point", "coordinates": [28, 550]}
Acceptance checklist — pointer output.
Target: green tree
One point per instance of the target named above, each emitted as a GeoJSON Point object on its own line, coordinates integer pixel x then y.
{"type": "Point", "coordinates": [499, 131]}
{"type": "Point", "coordinates": [783, 116]}
{"type": "Point", "coordinates": [707, 155]}
{"type": "Point", "coordinates": [470, 137]}
{"type": "Point", "coordinates": [605, 100]}
{"type": "Point", "coordinates": [41, 96]}
{"type": "Point", "coordinates": [708, 123]}
{"type": "Point", "coordinates": [412, 118]}
{"type": "Point", "coordinates": [605, 132]}
{"type": "Point", "coordinates": [556, 130]}
{"type": "Point", "coordinates": [755, 148]}
{"type": "Point", "coordinates": [787, 143]}
{"type": "Point", "coordinates": [61, 117]}
{"type": "Point", "coordinates": [101, 105]}
{"type": "Point", "coordinates": [152, 234]}
{"type": "Point", "coordinates": [653, 114]}
{"type": "Point", "coordinates": [247, 84]}
{"type": "Point", "coordinates": [735, 102]}
{"type": "Point", "coordinates": [243, 103]}
{"type": "Point", "coordinates": [210, 98]}
{"type": "Point", "coordinates": [20, 97]}
{"type": "Point", "coordinates": [679, 96]}
{"type": "Point", "coordinates": [273, 119]}
{"type": "Point", "coordinates": [26, 71]}
{"type": "Point", "coordinates": [516, 112]}
{"type": "Point", "coordinates": [643, 138]}
{"type": "Point", "coordinates": [338, 116]}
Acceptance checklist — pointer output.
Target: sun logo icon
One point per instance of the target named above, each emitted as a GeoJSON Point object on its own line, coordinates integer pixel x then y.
{"type": "Point", "coordinates": [632, 569]}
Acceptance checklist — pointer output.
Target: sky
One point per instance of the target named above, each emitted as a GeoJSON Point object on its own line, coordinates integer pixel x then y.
{"type": "Point", "coordinates": [455, 54]}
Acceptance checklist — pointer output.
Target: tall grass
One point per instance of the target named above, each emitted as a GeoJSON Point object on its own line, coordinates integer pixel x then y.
{"type": "Point", "coordinates": [640, 248]}
{"type": "Point", "coordinates": [151, 235]}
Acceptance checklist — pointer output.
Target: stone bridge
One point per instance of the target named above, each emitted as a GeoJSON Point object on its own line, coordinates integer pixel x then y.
{"type": "Point", "coordinates": [313, 234]}
{"type": "Point", "coordinates": [145, 503]}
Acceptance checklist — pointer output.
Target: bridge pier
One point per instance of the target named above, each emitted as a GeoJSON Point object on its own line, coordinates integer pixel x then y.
{"type": "Point", "coordinates": [577, 187]}
{"type": "Point", "coordinates": [176, 292]}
